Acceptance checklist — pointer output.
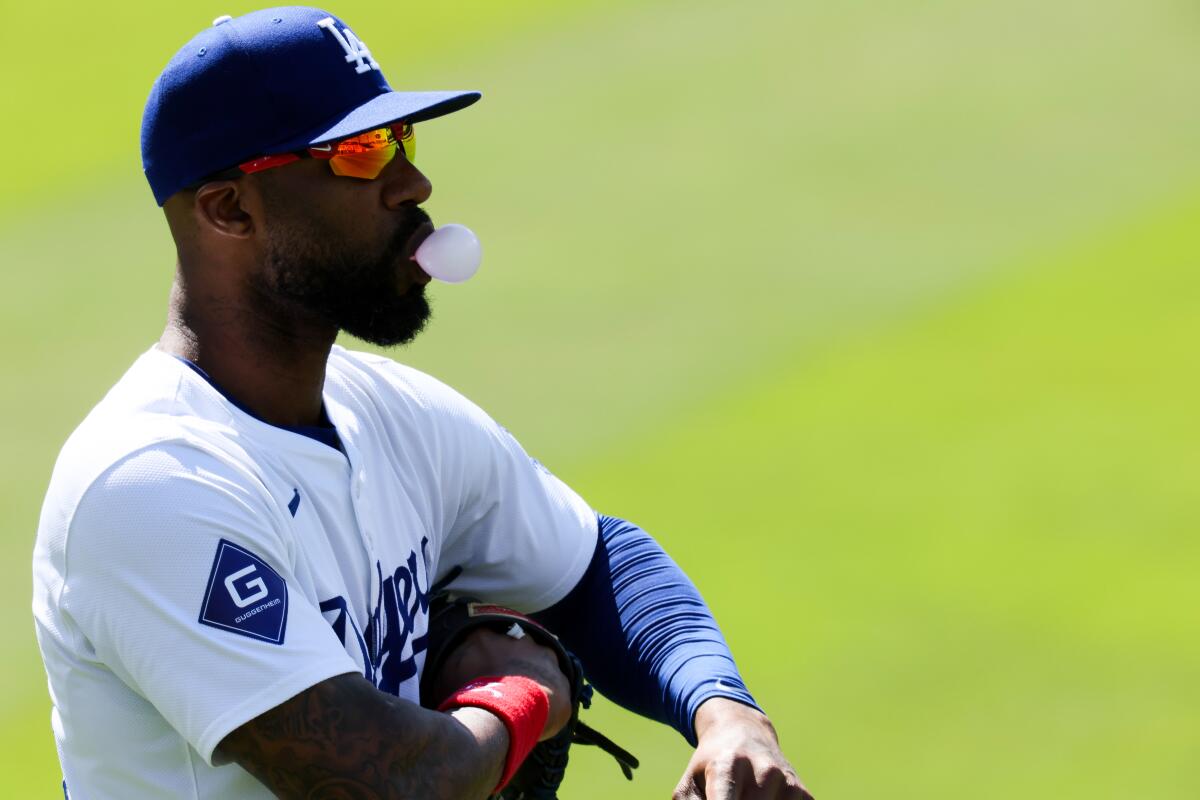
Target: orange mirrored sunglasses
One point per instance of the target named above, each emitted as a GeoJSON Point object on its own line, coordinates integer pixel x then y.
{"type": "Point", "coordinates": [363, 155]}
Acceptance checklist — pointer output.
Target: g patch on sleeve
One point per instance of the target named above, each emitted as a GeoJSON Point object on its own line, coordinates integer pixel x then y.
{"type": "Point", "coordinates": [245, 595]}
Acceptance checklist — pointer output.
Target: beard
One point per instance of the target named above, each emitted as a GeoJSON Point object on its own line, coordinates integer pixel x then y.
{"type": "Point", "coordinates": [313, 270]}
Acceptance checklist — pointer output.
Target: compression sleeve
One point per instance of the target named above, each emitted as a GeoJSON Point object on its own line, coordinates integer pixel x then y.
{"type": "Point", "coordinates": [645, 636]}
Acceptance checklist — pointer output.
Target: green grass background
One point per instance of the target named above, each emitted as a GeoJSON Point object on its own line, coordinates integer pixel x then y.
{"type": "Point", "coordinates": [882, 317]}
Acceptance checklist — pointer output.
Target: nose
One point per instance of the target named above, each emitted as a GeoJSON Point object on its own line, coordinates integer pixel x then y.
{"type": "Point", "coordinates": [402, 183]}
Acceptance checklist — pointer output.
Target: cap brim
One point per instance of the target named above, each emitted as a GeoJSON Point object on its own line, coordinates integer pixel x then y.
{"type": "Point", "coordinates": [385, 108]}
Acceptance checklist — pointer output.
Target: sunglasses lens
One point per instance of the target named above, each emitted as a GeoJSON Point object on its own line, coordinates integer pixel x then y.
{"type": "Point", "coordinates": [362, 165]}
{"type": "Point", "coordinates": [365, 155]}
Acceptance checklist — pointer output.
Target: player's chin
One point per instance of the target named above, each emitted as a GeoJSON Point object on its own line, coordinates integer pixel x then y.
{"type": "Point", "coordinates": [395, 322]}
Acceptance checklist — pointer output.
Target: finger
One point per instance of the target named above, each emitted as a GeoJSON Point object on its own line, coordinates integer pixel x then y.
{"type": "Point", "coordinates": [771, 785]}
{"type": "Point", "coordinates": [688, 789]}
{"type": "Point", "coordinates": [756, 781]}
{"type": "Point", "coordinates": [794, 789]}
{"type": "Point", "coordinates": [790, 788]}
{"type": "Point", "coordinates": [721, 783]}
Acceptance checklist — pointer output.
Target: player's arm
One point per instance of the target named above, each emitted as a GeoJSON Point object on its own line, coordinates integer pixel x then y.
{"type": "Point", "coordinates": [648, 641]}
{"type": "Point", "coordinates": [345, 738]}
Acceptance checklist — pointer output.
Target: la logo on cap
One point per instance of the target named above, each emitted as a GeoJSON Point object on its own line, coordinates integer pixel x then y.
{"type": "Point", "coordinates": [355, 48]}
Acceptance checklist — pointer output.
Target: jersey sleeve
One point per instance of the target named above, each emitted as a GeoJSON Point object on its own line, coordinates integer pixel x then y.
{"type": "Point", "coordinates": [178, 577]}
{"type": "Point", "coordinates": [521, 536]}
{"type": "Point", "coordinates": [646, 638]}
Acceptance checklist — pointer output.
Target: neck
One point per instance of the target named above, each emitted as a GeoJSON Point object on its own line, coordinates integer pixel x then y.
{"type": "Point", "coordinates": [271, 363]}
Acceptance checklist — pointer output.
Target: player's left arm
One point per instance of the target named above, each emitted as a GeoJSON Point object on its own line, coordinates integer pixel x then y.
{"type": "Point", "coordinates": [649, 642]}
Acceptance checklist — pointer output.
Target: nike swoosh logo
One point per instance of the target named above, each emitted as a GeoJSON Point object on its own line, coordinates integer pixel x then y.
{"type": "Point", "coordinates": [325, 148]}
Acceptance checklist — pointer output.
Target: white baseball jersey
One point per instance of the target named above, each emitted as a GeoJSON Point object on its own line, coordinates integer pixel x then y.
{"type": "Point", "coordinates": [196, 566]}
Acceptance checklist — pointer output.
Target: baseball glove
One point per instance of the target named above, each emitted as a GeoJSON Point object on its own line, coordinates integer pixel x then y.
{"type": "Point", "coordinates": [540, 775]}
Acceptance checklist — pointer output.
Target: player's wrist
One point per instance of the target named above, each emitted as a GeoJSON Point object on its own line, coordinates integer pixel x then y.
{"type": "Point", "coordinates": [718, 714]}
{"type": "Point", "coordinates": [491, 741]}
{"type": "Point", "coordinates": [521, 704]}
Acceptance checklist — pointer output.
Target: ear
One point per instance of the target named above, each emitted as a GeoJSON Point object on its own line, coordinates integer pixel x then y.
{"type": "Point", "coordinates": [222, 208]}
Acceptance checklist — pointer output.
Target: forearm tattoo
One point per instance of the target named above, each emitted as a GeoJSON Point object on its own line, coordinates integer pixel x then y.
{"type": "Point", "coordinates": [343, 739]}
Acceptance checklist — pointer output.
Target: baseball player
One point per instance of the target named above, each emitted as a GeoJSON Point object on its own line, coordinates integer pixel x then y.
{"type": "Point", "coordinates": [239, 545]}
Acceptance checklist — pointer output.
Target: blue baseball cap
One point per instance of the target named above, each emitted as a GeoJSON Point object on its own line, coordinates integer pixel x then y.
{"type": "Point", "coordinates": [271, 81]}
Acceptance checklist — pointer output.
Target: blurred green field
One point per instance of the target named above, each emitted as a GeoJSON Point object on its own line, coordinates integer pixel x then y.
{"type": "Point", "coordinates": [902, 301]}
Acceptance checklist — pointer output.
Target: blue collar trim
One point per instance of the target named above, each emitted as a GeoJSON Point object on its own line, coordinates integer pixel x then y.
{"type": "Point", "coordinates": [324, 433]}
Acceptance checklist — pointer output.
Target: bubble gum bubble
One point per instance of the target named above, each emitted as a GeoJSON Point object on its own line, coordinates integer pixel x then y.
{"type": "Point", "coordinates": [451, 253]}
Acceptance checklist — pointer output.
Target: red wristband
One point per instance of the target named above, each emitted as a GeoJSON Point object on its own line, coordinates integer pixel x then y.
{"type": "Point", "coordinates": [519, 702]}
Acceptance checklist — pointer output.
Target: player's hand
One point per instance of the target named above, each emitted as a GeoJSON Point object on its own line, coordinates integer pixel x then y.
{"type": "Point", "coordinates": [737, 758]}
{"type": "Point", "coordinates": [486, 652]}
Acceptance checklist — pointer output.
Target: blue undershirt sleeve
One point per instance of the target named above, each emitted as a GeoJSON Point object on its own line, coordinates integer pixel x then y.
{"type": "Point", "coordinates": [645, 637]}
